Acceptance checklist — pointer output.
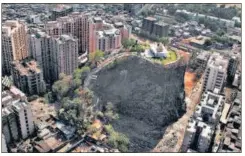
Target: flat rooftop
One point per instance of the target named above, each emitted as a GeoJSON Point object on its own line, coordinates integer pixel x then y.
{"type": "Point", "coordinates": [26, 67]}
{"type": "Point", "coordinates": [151, 18]}
{"type": "Point", "coordinates": [218, 61]}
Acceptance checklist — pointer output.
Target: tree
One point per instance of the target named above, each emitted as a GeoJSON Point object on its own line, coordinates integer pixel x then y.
{"type": "Point", "coordinates": [117, 140]}
{"type": "Point", "coordinates": [127, 43]}
{"type": "Point", "coordinates": [164, 40]}
{"type": "Point", "coordinates": [237, 24]}
{"type": "Point", "coordinates": [208, 42]}
{"type": "Point", "coordinates": [96, 56]}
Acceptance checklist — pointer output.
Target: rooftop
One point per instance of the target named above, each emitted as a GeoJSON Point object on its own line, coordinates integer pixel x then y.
{"type": "Point", "coordinates": [218, 61]}
{"type": "Point", "coordinates": [151, 18]}
{"type": "Point", "coordinates": [10, 26]}
{"type": "Point", "coordinates": [161, 23]}
{"type": "Point", "coordinates": [26, 67]}
{"type": "Point", "coordinates": [97, 19]}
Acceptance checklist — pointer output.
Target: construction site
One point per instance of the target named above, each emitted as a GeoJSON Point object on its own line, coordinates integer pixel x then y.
{"type": "Point", "coordinates": [147, 97]}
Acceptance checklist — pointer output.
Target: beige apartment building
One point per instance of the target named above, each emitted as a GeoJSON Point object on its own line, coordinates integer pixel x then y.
{"type": "Point", "coordinates": [14, 44]}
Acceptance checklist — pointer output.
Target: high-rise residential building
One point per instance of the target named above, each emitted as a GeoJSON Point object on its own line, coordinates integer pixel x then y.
{"type": "Point", "coordinates": [148, 24]}
{"type": "Point", "coordinates": [4, 145]}
{"type": "Point", "coordinates": [17, 121]}
{"type": "Point", "coordinates": [17, 118]}
{"type": "Point", "coordinates": [205, 133]}
{"type": "Point", "coordinates": [28, 77]}
{"type": "Point", "coordinates": [160, 29]}
{"type": "Point", "coordinates": [108, 40]}
{"type": "Point", "coordinates": [65, 54]}
{"type": "Point", "coordinates": [55, 55]}
{"type": "Point", "coordinates": [14, 44]}
{"type": "Point", "coordinates": [24, 117]}
{"type": "Point", "coordinates": [189, 135]}
{"type": "Point", "coordinates": [40, 48]}
{"type": "Point", "coordinates": [61, 10]}
{"type": "Point", "coordinates": [9, 125]}
{"type": "Point", "coordinates": [215, 73]}
{"type": "Point", "coordinates": [75, 24]}
{"type": "Point", "coordinates": [198, 136]}
{"type": "Point", "coordinates": [125, 30]}
{"type": "Point", "coordinates": [232, 67]}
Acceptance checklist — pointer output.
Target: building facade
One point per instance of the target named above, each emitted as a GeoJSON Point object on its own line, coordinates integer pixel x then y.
{"type": "Point", "coordinates": [108, 40]}
{"type": "Point", "coordinates": [14, 44]}
{"type": "Point", "coordinates": [148, 24]}
{"type": "Point", "coordinates": [65, 54]}
{"type": "Point", "coordinates": [28, 77]}
{"type": "Point", "coordinates": [160, 29]}
{"type": "Point", "coordinates": [75, 24]}
{"type": "Point", "coordinates": [54, 54]}
{"type": "Point", "coordinates": [232, 68]}
{"type": "Point", "coordinates": [215, 73]}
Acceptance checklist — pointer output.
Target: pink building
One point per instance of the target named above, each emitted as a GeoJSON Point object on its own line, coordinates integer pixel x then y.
{"type": "Point", "coordinates": [75, 24]}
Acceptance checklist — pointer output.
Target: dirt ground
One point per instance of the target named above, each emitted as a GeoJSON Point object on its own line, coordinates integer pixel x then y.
{"type": "Point", "coordinates": [146, 96]}
{"type": "Point", "coordinates": [41, 110]}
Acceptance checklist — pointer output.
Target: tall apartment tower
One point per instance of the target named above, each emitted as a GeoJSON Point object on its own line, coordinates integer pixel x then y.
{"type": "Point", "coordinates": [10, 125]}
{"type": "Point", "coordinates": [215, 73]}
{"type": "Point", "coordinates": [17, 121]}
{"type": "Point", "coordinates": [75, 24]}
{"type": "Point", "coordinates": [65, 54]}
{"type": "Point", "coordinates": [189, 135]}
{"type": "Point", "coordinates": [28, 77]}
{"type": "Point", "coordinates": [24, 116]}
{"type": "Point", "coordinates": [232, 67]}
{"type": "Point", "coordinates": [14, 44]}
{"type": "Point", "coordinates": [54, 54]}
{"type": "Point", "coordinates": [205, 137]}
{"type": "Point", "coordinates": [148, 24]}
{"type": "Point", "coordinates": [40, 48]}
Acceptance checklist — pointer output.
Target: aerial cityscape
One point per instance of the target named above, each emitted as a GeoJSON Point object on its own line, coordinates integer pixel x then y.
{"type": "Point", "coordinates": [105, 78]}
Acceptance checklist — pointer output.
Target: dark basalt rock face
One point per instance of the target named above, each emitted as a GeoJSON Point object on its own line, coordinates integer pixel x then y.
{"type": "Point", "coordinates": [146, 96]}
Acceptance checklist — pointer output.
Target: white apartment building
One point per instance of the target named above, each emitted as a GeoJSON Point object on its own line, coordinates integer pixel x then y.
{"type": "Point", "coordinates": [25, 118]}
{"type": "Point", "coordinates": [189, 135]}
{"type": "Point", "coordinates": [205, 137]}
{"type": "Point", "coordinates": [210, 107]}
{"type": "Point", "coordinates": [14, 44]}
{"type": "Point", "coordinates": [54, 54]}
{"type": "Point", "coordinates": [40, 48]}
{"type": "Point", "coordinates": [17, 118]}
{"type": "Point", "coordinates": [215, 73]}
